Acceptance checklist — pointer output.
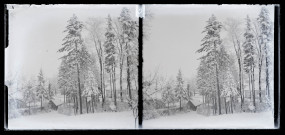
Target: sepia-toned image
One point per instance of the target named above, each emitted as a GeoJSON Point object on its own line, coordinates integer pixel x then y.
{"type": "Point", "coordinates": [208, 67]}
{"type": "Point", "coordinates": [72, 67]}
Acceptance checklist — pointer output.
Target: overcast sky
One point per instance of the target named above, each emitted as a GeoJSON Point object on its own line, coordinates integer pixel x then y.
{"type": "Point", "coordinates": [36, 33]}
{"type": "Point", "coordinates": [176, 34]}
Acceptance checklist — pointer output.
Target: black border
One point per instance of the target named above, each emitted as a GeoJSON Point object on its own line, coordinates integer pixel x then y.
{"type": "Point", "coordinates": [140, 73]}
{"type": "Point", "coordinates": [276, 68]}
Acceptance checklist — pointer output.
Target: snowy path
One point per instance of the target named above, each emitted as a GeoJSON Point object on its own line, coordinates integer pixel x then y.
{"type": "Point", "coordinates": [192, 120]}
{"type": "Point", "coordinates": [54, 120]}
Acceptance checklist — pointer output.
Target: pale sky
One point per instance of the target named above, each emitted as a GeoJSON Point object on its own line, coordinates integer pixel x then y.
{"type": "Point", "coordinates": [176, 34]}
{"type": "Point", "coordinates": [36, 33]}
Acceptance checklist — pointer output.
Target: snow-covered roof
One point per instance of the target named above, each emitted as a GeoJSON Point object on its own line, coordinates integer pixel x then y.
{"type": "Point", "coordinates": [57, 101]}
{"type": "Point", "coordinates": [195, 102]}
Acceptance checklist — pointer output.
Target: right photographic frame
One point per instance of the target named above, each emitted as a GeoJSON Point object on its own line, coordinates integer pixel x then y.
{"type": "Point", "coordinates": [209, 67]}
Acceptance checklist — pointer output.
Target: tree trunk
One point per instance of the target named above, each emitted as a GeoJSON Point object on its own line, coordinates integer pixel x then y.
{"type": "Point", "coordinates": [74, 104]}
{"type": "Point", "coordinates": [168, 108]}
{"type": "Point", "coordinates": [114, 85]}
{"type": "Point", "coordinates": [111, 88]}
{"type": "Point", "coordinates": [217, 77]}
{"type": "Point", "coordinates": [121, 87]}
{"type": "Point", "coordinates": [180, 104]}
{"type": "Point", "coordinates": [208, 102]}
{"type": "Point", "coordinates": [232, 104]}
{"type": "Point", "coordinates": [240, 83]}
{"type": "Point", "coordinates": [249, 86]}
{"type": "Point", "coordinates": [104, 85]}
{"type": "Point", "coordinates": [86, 105]}
{"type": "Point", "coordinates": [215, 102]}
{"type": "Point", "coordinates": [213, 106]}
{"type": "Point", "coordinates": [128, 78]}
{"type": "Point", "coordinates": [101, 84]}
{"type": "Point", "coordinates": [79, 89]}
{"type": "Point", "coordinates": [29, 108]}
{"type": "Point", "coordinates": [92, 102]}
{"type": "Point", "coordinates": [226, 105]}
{"type": "Point", "coordinates": [267, 75]}
{"type": "Point", "coordinates": [41, 102]}
{"type": "Point", "coordinates": [64, 96]}
{"type": "Point", "coordinates": [243, 93]}
{"type": "Point", "coordinates": [259, 80]}
{"type": "Point", "coordinates": [253, 89]}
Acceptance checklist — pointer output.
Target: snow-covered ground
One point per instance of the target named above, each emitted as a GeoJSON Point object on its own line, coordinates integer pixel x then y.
{"type": "Point", "coordinates": [125, 120]}
{"type": "Point", "coordinates": [54, 120]}
{"type": "Point", "coordinates": [192, 120]}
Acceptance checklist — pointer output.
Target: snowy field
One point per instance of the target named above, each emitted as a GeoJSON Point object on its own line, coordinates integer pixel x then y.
{"type": "Point", "coordinates": [54, 120]}
{"type": "Point", "coordinates": [192, 120]}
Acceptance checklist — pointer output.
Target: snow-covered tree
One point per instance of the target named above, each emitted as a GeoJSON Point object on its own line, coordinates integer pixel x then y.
{"type": "Point", "coordinates": [67, 80]}
{"type": "Point", "coordinates": [249, 52]}
{"type": "Point", "coordinates": [110, 58]}
{"type": "Point", "coordinates": [50, 91]}
{"type": "Point", "coordinates": [265, 38]}
{"type": "Point", "coordinates": [228, 84]}
{"type": "Point", "coordinates": [90, 88]}
{"type": "Point", "coordinates": [95, 30]}
{"type": "Point", "coordinates": [210, 45]}
{"type": "Point", "coordinates": [41, 91]}
{"type": "Point", "coordinates": [168, 95]}
{"type": "Point", "coordinates": [229, 88]}
{"type": "Point", "coordinates": [92, 82]}
{"type": "Point", "coordinates": [129, 39]}
{"type": "Point", "coordinates": [206, 83]}
{"type": "Point", "coordinates": [76, 55]}
{"type": "Point", "coordinates": [120, 52]}
{"type": "Point", "coordinates": [179, 90]}
{"type": "Point", "coordinates": [29, 94]}
{"type": "Point", "coordinates": [233, 28]}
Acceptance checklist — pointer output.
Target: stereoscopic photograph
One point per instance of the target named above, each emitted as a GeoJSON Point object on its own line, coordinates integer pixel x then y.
{"type": "Point", "coordinates": [77, 66]}
{"type": "Point", "coordinates": [72, 67]}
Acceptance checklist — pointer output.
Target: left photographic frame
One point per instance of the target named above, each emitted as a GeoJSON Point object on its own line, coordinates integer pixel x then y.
{"type": "Point", "coordinates": [72, 67]}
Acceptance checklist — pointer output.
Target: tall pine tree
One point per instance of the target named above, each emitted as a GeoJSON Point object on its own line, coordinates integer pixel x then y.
{"type": "Point", "coordinates": [265, 38]}
{"type": "Point", "coordinates": [210, 45]}
{"type": "Point", "coordinates": [76, 55]}
{"type": "Point", "coordinates": [179, 90]}
{"type": "Point", "coordinates": [41, 91]}
{"type": "Point", "coordinates": [110, 58]}
{"type": "Point", "coordinates": [129, 39]}
{"type": "Point", "coordinates": [249, 53]}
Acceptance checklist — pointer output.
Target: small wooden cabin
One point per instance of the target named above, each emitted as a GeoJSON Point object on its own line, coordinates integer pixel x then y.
{"type": "Point", "coordinates": [53, 104]}
{"type": "Point", "coordinates": [193, 104]}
